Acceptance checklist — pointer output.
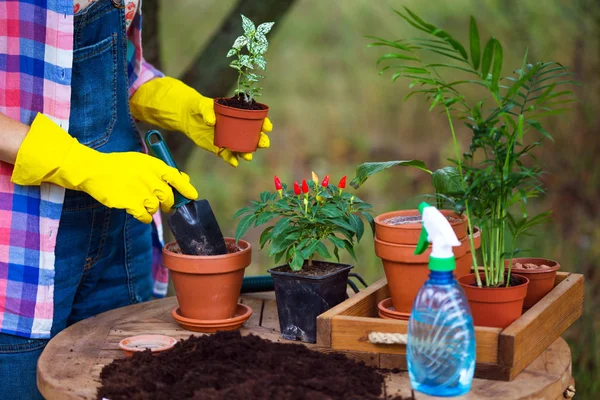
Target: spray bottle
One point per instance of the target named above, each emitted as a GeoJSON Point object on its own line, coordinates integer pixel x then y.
{"type": "Point", "coordinates": [440, 348]}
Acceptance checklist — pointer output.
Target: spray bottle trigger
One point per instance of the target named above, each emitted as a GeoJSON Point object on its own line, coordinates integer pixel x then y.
{"type": "Point", "coordinates": [423, 242]}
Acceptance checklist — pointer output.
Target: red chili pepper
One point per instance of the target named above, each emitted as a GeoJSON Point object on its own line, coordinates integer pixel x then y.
{"type": "Point", "coordinates": [297, 190]}
{"type": "Point", "coordinates": [278, 185]}
{"type": "Point", "coordinates": [325, 181]}
{"type": "Point", "coordinates": [304, 186]}
{"type": "Point", "coordinates": [342, 183]}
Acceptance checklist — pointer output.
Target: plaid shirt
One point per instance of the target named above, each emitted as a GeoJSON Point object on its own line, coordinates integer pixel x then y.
{"type": "Point", "coordinates": [36, 55]}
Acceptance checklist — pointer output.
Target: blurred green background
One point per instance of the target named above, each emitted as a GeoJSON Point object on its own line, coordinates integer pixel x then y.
{"type": "Point", "coordinates": [332, 111]}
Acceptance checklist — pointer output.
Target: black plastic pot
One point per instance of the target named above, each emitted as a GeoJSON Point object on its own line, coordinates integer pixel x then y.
{"type": "Point", "coordinates": [301, 299]}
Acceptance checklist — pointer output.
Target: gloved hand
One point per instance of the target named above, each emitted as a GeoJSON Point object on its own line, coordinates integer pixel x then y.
{"type": "Point", "coordinates": [136, 182]}
{"type": "Point", "coordinates": [171, 104]}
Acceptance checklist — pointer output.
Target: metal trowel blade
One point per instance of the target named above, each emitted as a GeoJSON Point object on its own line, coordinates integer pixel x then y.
{"type": "Point", "coordinates": [196, 229]}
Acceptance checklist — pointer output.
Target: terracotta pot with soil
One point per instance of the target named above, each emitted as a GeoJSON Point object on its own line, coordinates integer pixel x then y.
{"type": "Point", "coordinates": [303, 295]}
{"type": "Point", "coordinates": [404, 226]}
{"type": "Point", "coordinates": [495, 307]}
{"type": "Point", "coordinates": [541, 273]}
{"type": "Point", "coordinates": [238, 123]}
{"type": "Point", "coordinates": [396, 237]}
{"type": "Point", "coordinates": [406, 272]}
{"type": "Point", "coordinates": [208, 287]}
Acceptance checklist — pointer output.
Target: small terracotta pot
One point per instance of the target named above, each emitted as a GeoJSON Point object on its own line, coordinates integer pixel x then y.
{"type": "Point", "coordinates": [237, 129]}
{"type": "Point", "coordinates": [406, 272]}
{"type": "Point", "coordinates": [494, 307]}
{"type": "Point", "coordinates": [409, 233]}
{"type": "Point", "coordinates": [541, 281]}
{"type": "Point", "coordinates": [208, 287]}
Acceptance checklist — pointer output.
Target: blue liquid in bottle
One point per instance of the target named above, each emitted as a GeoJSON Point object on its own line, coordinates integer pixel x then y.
{"type": "Point", "coordinates": [441, 338]}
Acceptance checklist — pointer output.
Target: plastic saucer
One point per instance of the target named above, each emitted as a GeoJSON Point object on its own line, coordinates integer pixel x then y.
{"type": "Point", "coordinates": [156, 343]}
{"type": "Point", "coordinates": [387, 309]}
{"type": "Point", "coordinates": [242, 313]}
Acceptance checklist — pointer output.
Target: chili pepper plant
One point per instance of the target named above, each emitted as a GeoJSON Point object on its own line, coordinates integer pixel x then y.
{"type": "Point", "coordinates": [315, 218]}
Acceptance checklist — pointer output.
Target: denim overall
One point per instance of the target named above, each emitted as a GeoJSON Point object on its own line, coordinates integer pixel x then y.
{"type": "Point", "coordinates": [103, 255]}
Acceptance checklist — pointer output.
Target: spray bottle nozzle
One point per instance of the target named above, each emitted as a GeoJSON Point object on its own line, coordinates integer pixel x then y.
{"type": "Point", "coordinates": [438, 231]}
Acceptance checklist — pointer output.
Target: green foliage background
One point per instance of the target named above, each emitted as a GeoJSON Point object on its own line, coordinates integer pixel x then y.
{"type": "Point", "coordinates": [332, 111]}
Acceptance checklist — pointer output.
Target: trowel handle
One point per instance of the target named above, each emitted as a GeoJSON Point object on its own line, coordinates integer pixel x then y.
{"type": "Point", "coordinates": [158, 148]}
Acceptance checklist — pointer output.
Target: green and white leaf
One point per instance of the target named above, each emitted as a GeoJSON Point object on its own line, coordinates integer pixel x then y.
{"type": "Point", "coordinates": [246, 61]}
{"type": "Point", "coordinates": [265, 27]}
{"type": "Point", "coordinates": [261, 62]}
{"type": "Point", "coordinates": [247, 24]}
{"type": "Point", "coordinates": [240, 42]}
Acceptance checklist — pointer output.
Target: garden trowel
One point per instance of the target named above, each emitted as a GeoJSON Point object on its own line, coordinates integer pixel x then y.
{"type": "Point", "coordinates": [193, 223]}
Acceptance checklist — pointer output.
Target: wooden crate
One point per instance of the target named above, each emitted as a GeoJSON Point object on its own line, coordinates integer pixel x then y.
{"type": "Point", "coordinates": [501, 353]}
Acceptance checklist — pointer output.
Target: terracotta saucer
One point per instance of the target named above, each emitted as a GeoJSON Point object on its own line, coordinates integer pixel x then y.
{"type": "Point", "coordinates": [383, 316]}
{"type": "Point", "coordinates": [156, 343]}
{"type": "Point", "coordinates": [386, 308]}
{"type": "Point", "coordinates": [242, 313]}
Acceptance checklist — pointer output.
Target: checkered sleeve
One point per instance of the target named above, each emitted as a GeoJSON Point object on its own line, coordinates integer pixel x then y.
{"type": "Point", "coordinates": [139, 70]}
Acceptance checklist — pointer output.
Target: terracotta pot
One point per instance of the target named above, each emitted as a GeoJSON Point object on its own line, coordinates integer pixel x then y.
{"type": "Point", "coordinates": [406, 272]}
{"type": "Point", "coordinates": [238, 129]}
{"type": "Point", "coordinates": [208, 287]}
{"type": "Point", "coordinates": [541, 281]}
{"type": "Point", "coordinates": [409, 233]}
{"type": "Point", "coordinates": [494, 307]}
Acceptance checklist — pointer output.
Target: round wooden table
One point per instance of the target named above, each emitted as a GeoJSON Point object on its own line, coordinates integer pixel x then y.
{"type": "Point", "coordinates": [70, 366]}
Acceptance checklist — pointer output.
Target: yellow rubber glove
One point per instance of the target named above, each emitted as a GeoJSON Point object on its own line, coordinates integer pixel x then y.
{"type": "Point", "coordinates": [136, 182]}
{"type": "Point", "coordinates": [170, 104]}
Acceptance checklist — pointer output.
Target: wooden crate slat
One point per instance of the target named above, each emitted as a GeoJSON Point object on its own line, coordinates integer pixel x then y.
{"type": "Point", "coordinates": [525, 339]}
{"type": "Point", "coordinates": [351, 333]}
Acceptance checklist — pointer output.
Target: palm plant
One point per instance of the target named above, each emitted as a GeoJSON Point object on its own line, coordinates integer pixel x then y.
{"type": "Point", "coordinates": [498, 174]}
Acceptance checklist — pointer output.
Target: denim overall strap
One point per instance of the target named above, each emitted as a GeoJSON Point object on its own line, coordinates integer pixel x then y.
{"type": "Point", "coordinates": [103, 255]}
{"type": "Point", "coordinates": [100, 115]}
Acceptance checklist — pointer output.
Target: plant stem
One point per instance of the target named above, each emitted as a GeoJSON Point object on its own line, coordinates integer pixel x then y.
{"type": "Point", "coordinates": [510, 264]}
{"type": "Point", "coordinates": [472, 244]}
{"type": "Point", "coordinates": [462, 182]}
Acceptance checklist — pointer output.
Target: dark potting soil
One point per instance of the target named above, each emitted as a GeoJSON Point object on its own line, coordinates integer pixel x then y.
{"type": "Point", "coordinates": [228, 366]}
{"type": "Point", "coordinates": [231, 248]}
{"type": "Point", "coordinates": [239, 102]}
{"type": "Point", "coordinates": [412, 219]}
{"type": "Point", "coordinates": [514, 281]}
{"type": "Point", "coordinates": [319, 268]}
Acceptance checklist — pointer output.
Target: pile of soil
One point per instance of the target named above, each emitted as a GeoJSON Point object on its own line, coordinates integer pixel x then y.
{"type": "Point", "coordinates": [530, 266]}
{"type": "Point", "coordinates": [412, 219]}
{"type": "Point", "coordinates": [239, 102]}
{"type": "Point", "coordinates": [227, 365]}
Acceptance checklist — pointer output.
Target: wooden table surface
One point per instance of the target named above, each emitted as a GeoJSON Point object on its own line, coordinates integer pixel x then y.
{"type": "Point", "coordinates": [70, 366]}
